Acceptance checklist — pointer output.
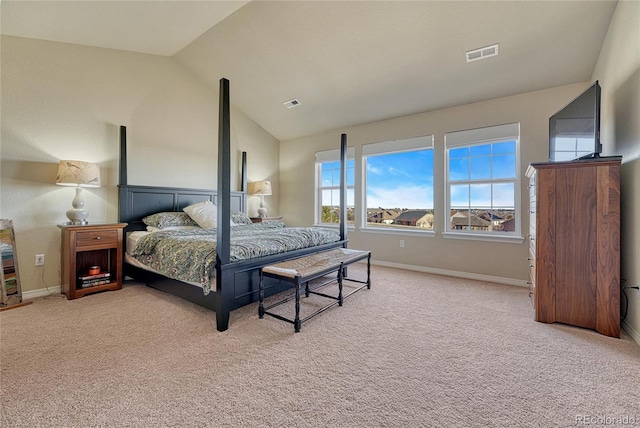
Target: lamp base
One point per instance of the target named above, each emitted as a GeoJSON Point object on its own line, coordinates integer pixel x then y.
{"type": "Point", "coordinates": [262, 211]}
{"type": "Point", "coordinates": [78, 215]}
{"type": "Point", "coordinates": [77, 223]}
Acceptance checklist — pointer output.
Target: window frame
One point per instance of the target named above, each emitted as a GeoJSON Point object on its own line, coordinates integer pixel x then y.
{"type": "Point", "coordinates": [477, 137]}
{"type": "Point", "coordinates": [404, 145]}
{"type": "Point", "coordinates": [330, 156]}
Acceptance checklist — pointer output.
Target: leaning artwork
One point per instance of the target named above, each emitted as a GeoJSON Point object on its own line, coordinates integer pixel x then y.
{"type": "Point", "coordinates": [11, 292]}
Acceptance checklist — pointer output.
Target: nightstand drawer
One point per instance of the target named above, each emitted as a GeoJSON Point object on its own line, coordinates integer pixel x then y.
{"type": "Point", "coordinates": [96, 237]}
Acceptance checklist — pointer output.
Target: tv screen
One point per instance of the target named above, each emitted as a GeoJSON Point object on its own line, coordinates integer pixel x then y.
{"type": "Point", "coordinates": [574, 131]}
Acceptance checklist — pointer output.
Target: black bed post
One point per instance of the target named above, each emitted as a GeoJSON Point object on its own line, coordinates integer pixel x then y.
{"type": "Point", "coordinates": [224, 278]}
{"type": "Point", "coordinates": [122, 183]}
{"type": "Point", "coordinates": [224, 175]}
{"type": "Point", "coordinates": [343, 187]}
{"type": "Point", "coordinates": [123, 155]}
{"type": "Point", "coordinates": [243, 177]}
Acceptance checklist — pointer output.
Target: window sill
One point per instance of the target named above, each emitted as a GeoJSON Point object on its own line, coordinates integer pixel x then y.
{"type": "Point", "coordinates": [512, 239]}
{"type": "Point", "coordinates": [384, 231]}
{"type": "Point", "coordinates": [334, 226]}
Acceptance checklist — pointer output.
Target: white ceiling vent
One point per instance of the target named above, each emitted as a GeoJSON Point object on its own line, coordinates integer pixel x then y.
{"type": "Point", "coordinates": [291, 103]}
{"type": "Point", "coordinates": [482, 53]}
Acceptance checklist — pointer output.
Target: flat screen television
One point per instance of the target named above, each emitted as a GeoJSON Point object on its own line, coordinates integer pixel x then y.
{"type": "Point", "coordinates": [574, 131]}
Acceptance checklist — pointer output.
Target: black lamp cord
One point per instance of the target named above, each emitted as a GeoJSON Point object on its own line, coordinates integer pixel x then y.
{"type": "Point", "coordinates": [626, 299]}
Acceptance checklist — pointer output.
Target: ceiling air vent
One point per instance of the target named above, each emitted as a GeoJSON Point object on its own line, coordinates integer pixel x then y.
{"type": "Point", "coordinates": [291, 103]}
{"type": "Point", "coordinates": [482, 53]}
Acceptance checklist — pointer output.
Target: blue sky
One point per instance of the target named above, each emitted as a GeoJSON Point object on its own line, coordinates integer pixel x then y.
{"type": "Point", "coordinates": [405, 179]}
{"type": "Point", "coordinates": [483, 162]}
{"type": "Point", "coordinates": [400, 180]}
{"type": "Point", "coordinates": [331, 177]}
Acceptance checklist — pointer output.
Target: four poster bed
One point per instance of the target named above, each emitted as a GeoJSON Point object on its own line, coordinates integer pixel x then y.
{"type": "Point", "coordinates": [230, 279]}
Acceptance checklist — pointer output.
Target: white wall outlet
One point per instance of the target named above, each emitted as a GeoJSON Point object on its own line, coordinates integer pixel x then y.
{"type": "Point", "coordinates": [402, 243]}
{"type": "Point", "coordinates": [39, 259]}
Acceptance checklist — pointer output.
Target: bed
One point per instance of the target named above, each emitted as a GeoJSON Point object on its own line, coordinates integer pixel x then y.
{"type": "Point", "coordinates": [232, 280]}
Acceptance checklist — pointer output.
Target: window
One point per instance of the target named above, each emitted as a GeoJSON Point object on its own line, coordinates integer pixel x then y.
{"type": "Point", "coordinates": [482, 181]}
{"type": "Point", "coordinates": [328, 186]}
{"type": "Point", "coordinates": [398, 177]}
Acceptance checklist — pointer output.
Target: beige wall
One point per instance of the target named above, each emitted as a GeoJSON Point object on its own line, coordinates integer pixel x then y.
{"type": "Point", "coordinates": [498, 260]}
{"type": "Point", "coordinates": [62, 101]}
{"type": "Point", "coordinates": [618, 71]}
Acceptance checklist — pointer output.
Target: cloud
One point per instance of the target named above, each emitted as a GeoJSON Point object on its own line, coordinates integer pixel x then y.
{"type": "Point", "coordinates": [400, 197]}
{"type": "Point", "coordinates": [395, 171]}
{"type": "Point", "coordinates": [480, 196]}
{"type": "Point", "coordinates": [374, 170]}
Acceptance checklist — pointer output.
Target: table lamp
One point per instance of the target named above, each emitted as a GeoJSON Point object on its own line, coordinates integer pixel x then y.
{"type": "Point", "coordinates": [79, 174]}
{"type": "Point", "coordinates": [261, 188]}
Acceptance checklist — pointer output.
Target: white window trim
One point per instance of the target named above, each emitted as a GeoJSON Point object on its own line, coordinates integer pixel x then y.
{"type": "Point", "coordinates": [476, 137]}
{"type": "Point", "coordinates": [425, 142]}
{"type": "Point", "coordinates": [334, 226]}
{"type": "Point", "coordinates": [488, 134]}
{"type": "Point", "coordinates": [388, 231]}
{"type": "Point", "coordinates": [483, 236]}
{"type": "Point", "coordinates": [324, 156]}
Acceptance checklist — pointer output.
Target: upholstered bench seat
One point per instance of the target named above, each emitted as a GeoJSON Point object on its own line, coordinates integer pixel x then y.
{"type": "Point", "coordinates": [308, 268]}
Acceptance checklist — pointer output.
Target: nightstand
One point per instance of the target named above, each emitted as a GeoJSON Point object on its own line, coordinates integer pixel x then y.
{"type": "Point", "coordinates": [265, 219]}
{"type": "Point", "coordinates": [97, 246]}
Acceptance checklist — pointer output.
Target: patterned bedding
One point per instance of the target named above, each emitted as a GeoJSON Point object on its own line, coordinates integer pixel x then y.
{"type": "Point", "coordinates": [190, 255]}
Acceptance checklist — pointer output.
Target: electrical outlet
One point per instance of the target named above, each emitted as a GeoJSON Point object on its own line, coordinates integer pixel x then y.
{"type": "Point", "coordinates": [39, 259]}
{"type": "Point", "coordinates": [402, 243]}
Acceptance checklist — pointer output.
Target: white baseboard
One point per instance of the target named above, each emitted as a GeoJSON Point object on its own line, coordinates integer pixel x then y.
{"type": "Point", "coordinates": [488, 278]}
{"type": "Point", "coordinates": [32, 294]}
{"type": "Point", "coordinates": [457, 274]}
{"type": "Point", "coordinates": [632, 332]}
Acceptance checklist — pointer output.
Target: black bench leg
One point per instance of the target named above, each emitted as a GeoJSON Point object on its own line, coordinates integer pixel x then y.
{"type": "Point", "coordinates": [296, 322]}
{"type": "Point", "coordinates": [261, 294]}
{"type": "Point", "coordinates": [369, 272]}
{"type": "Point", "coordinates": [340, 297]}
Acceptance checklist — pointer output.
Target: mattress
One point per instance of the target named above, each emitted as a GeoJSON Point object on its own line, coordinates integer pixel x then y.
{"type": "Point", "coordinates": [190, 255]}
{"type": "Point", "coordinates": [132, 241]}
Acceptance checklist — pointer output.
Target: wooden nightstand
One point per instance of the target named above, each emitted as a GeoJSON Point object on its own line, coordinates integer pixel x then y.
{"type": "Point", "coordinates": [265, 219]}
{"type": "Point", "coordinates": [86, 246]}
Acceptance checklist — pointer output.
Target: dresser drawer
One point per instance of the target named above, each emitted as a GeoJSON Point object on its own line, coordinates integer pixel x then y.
{"type": "Point", "coordinates": [96, 237]}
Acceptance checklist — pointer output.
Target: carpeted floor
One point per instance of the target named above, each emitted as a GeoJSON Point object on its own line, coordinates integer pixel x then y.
{"type": "Point", "coordinates": [417, 350]}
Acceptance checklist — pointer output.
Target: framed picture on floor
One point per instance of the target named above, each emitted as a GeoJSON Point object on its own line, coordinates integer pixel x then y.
{"type": "Point", "coordinates": [11, 293]}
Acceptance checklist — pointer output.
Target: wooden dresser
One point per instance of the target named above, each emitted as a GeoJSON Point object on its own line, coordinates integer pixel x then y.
{"type": "Point", "coordinates": [574, 252]}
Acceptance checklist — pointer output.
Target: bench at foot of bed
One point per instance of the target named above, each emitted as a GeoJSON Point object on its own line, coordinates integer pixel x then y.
{"type": "Point", "coordinates": [305, 269]}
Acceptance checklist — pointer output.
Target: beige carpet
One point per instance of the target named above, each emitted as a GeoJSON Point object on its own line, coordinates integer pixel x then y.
{"type": "Point", "coordinates": [416, 350]}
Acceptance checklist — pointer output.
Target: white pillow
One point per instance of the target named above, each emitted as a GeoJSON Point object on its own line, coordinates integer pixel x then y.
{"type": "Point", "coordinates": [205, 214]}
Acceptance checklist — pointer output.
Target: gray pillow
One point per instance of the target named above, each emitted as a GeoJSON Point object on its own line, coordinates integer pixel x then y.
{"type": "Point", "coordinates": [169, 219]}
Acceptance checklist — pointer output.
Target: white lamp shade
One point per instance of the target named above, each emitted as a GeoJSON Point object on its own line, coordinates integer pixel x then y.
{"type": "Point", "coordinates": [78, 173]}
{"type": "Point", "coordinates": [259, 188]}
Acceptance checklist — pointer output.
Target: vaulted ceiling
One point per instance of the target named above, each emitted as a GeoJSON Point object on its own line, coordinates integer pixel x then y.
{"type": "Point", "coordinates": [346, 62]}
